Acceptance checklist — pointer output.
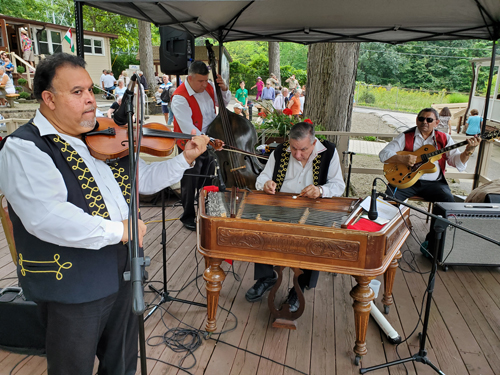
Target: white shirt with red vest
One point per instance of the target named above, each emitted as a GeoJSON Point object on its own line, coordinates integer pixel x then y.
{"type": "Point", "coordinates": [183, 113]}
{"type": "Point", "coordinates": [398, 144]}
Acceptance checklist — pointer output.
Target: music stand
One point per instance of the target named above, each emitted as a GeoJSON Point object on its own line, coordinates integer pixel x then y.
{"type": "Point", "coordinates": [439, 227]}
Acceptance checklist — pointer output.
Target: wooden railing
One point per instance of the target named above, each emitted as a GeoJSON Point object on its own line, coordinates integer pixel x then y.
{"type": "Point", "coordinates": [13, 124]}
{"type": "Point", "coordinates": [30, 71]}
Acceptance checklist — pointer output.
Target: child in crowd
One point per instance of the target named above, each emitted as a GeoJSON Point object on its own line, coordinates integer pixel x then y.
{"type": "Point", "coordinates": [474, 123]}
{"type": "Point", "coordinates": [158, 95]}
{"type": "Point", "coordinates": [260, 86]}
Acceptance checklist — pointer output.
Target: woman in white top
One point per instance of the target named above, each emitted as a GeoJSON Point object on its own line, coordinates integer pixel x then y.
{"type": "Point", "coordinates": [7, 83]}
{"type": "Point", "coordinates": [120, 90]}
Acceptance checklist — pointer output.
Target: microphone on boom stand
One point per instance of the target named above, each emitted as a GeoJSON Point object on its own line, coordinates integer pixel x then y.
{"type": "Point", "coordinates": [373, 214]}
{"type": "Point", "coordinates": [120, 115]}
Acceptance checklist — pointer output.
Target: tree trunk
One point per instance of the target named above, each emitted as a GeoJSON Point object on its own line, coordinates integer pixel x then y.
{"type": "Point", "coordinates": [274, 59]}
{"type": "Point", "coordinates": [146, 55]}
{"type": "Point", "coordinates": [331, 80]}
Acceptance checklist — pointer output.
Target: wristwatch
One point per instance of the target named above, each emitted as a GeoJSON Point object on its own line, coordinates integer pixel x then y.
{"type": "Point", "coordinates": [320, 191]}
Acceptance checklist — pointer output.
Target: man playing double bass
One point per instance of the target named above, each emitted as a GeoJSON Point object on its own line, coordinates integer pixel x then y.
{"type": "Point", "coordinates": [193, 103]}
{"type": "Point", "coordinates": [306, 166]}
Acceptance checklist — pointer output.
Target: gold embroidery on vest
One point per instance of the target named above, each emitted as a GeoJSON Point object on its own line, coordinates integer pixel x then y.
{"type": "Point", "coordinates": [316, 164]}
{"type": "Point", "coordinates": [285, 158]}
{"type": "Point", "coordinates": [91, 191]}
{"type": "Point", "coordinates": [59, 275]}
{"type": "Point", "coordinates": [122, 179]}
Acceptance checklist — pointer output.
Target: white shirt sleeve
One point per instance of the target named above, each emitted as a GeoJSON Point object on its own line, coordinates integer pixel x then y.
{"type": "Point", "coordinates": [335, 185]}
{"type": "Point", "coordinates": [394, 146]}
{"type": "Point", "coordinates": [454, 156]}
{"type": "Point", "coordinates": [37, 193]}
{"type": "Point", "coordinates": [183, 114]}
{"type": "Point", "coordinates": [266, 174]}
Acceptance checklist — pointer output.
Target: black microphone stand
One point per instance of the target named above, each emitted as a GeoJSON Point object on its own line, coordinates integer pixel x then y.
{"type": "Point", "coordinates": [137, 263]}
{"type": "Point", "coordinates": [439, 227]}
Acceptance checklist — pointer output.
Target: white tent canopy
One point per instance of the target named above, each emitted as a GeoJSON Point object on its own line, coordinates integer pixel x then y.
{"type": "Point", "coordinates": [313, 21]}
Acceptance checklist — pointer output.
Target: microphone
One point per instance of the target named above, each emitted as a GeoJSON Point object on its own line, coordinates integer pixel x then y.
{"type": "Point", "coordinates": [120, 115]}
{"type": "Point", "coordinates": [373, 214]}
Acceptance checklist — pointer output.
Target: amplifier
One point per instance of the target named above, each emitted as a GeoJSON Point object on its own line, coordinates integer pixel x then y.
{"type": "Point", "coordinates": [462, 248]}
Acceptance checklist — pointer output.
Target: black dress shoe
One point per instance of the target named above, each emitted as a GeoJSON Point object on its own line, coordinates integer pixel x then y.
{"type": "Point", "coordinates": [189, 224]}
{"type": "Point", "coordinates": [293, 300]}
{"type": "Point", "coordinates": [256, 292]}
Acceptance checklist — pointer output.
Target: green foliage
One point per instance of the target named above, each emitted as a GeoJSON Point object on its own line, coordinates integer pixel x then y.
{"type": "Point", "coordinates": [294, 55]}
{"type": "Point", "coordinates": [287, 71]}
{"type": "Point", "coordinates": [21, 81]}
{"type": "Point", "coordinates": [96, 90]}
{"type": "Point", "coordinates": [278, 121]}
{"type": "Point", "coordinates": [457, 98]}
{"type": "Point", "coordinates": [20, 69]}
{"type": "Point", "coordinates": [370, 138]}
{"type": "Point", "coordinates": [121, 62]}
{"type": "Point", "coordinates": [367, 97]}
{"type": "Point", "coordinates": [25, 95]}
{"type": "Point", "coordinates": [245, 52]}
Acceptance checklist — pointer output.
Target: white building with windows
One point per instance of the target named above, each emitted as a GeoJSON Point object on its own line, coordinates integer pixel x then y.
{"type": "Point", "coordinates": [48, 38]}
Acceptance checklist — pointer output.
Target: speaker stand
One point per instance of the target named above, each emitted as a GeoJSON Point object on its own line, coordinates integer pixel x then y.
{"type": "Point", "coordinates": [163, 294]}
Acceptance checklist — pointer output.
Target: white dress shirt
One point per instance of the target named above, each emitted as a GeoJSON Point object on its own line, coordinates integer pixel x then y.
{"type": "Point", "coordinates": [36, 190]}
{"type": "Point", "coordinates": [183, 112]}
{"type": "Point", "coordinates": [398, 144]}
{"type": "Point", "coordinates": [298, 177]}
{"type": "Point", "coordinates": [279, 102]}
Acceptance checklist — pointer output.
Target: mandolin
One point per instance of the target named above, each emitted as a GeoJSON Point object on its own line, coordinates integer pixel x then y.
{"type": "Point", "coordinates": [403, 176]}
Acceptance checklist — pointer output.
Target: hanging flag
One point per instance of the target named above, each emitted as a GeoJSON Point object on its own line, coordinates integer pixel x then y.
{"type": "Point", "coordinates": [69, 38]}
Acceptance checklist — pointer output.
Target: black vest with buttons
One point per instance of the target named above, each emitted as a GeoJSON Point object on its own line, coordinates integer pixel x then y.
{"type": "Point", "coordinates": [321, 164]}
{"type": "Point", "coordinates": [49, 272]}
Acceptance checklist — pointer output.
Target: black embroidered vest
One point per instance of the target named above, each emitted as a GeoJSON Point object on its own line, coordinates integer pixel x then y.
{"type": "Point", "coordinates": [49, 272]}
{"type": "Point", "coordinates": [321, 164]}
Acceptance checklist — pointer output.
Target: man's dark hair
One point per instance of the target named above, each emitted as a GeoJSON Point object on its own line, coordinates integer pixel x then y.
{"type": "Point", "coordinates": [436, 114]}
{"type": "Point", "coordinates": [302, 130]}
{"type": "Point", "coordinates": [46, 70]}
{"type": "Point", "coordinates": [198, 67]}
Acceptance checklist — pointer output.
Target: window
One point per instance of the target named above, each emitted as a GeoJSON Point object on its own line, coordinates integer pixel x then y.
{"type": "Point", "coordinates": [93, 46]}
{"type": "Point", "coordinates": [49, 42]}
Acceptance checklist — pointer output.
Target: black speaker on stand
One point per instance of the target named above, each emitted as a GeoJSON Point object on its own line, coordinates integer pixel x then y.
{"type": "Point", "coordinates": [176, 51]}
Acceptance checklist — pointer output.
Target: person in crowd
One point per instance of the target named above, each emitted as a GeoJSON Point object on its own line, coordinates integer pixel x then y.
{"type": "Point", "coordinates": [279, 102]}
{"type": "Point", "coordinates": [6, 81]}
{"type": "Point", "coordinates": [474, 123]}
{"type": "Point", "coordinates": [27, 47]}
{"type": "Point", "coordinates": [142, 80]}
{"type": "Point", "coordinates": [101, 81]}
{"type": "Point", "coordinates": [294, 104]}
{"type": "Point", "coordinates": [302, 99]}
{"type": "Point", "coordinates": [238, 109]}
{"type": "Point", "coordinates": [114, 107]}
{"type": "Point", "coordinates": [166, 85]}
{"type": "Point", "coordinates": [286, 96]}
{"type": "Point", "coordinates": [268, 95]}
{"type": "Point", "coordinates": [241, 97]}
{"type": "Point", "coordinates": [71, 224]}
{"type": "Point", "coordinates": [171, 91]}
{"type": "Point", "coordinates": [9, 67]}
{"type": "Point", "coordinates": [444, 120]}
{"type": "Point", "coordinates": [273, 80]}
{"type": "Point", "coordinates": [2, 55]}
{"type": "Point", "coordinates": [312, 169]}
{"type": "Point", "coordinates": [158, 80]}
{"type": "Point", "coordinates": [292, 85]}
{"type": "Point", "coordinates": [260, 86]}
{"type": "Point", "coordinates": [109, 84]}
{"type": "Point", "coordinates": [124, 77]}
{"type": "Point", "coordinates": [158, 92]}
{"type": "Point", "coordinates": [194, 104]}
{"type": "Point", "coordinates": [120, 90]}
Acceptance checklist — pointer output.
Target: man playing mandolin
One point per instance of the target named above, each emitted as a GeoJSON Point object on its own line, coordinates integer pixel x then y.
{"type": "Point", "coordinates": [430, 186]}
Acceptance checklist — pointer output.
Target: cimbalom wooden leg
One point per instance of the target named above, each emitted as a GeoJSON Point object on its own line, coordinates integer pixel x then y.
{"type": "Point", "coordinates": [389, 276]}
{"type": "Point", "coordinates": [362, 295]}
{"type": "Point", "coordinates": [214, 276]}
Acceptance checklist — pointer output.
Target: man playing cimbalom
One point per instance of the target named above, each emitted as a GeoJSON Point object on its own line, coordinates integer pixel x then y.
{"type": "Point", "coordinates": [70, 215]}
{"type": "Point", "coordinates": [194, 104]}
{"type": "Point", "coordinates": [312, 169]}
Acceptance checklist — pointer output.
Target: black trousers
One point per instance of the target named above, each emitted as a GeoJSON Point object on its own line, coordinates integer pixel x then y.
{"type": "Point", "coordinates": [190, 185]}
{"type": "Point", "coordinates": [431, 191]}
{"type": "Point", "coordinates": [307, 279]}
{"type": "Point", "coordinates": [76, 333]}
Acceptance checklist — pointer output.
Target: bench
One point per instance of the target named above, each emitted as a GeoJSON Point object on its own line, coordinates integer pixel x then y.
{"type": "Point", "coordinates": [10, 98]}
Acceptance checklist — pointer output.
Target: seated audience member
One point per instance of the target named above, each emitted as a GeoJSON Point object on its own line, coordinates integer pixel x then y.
{"type": "Point", "coordinates": [312, 169]}
{"type": "Point", "coordinates": [120, 90]}
{"type": "Point", "coordinates": [238, 109]}
{"type": "Point", "coordinates": [114, 107]}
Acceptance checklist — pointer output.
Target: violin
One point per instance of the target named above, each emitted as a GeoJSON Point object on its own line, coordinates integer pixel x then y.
{"type": "Point", "coordinates": [109, 141]}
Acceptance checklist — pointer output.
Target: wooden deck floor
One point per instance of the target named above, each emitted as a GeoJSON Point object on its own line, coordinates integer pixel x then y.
{"type": "Point", "coordinates": [464, 330]}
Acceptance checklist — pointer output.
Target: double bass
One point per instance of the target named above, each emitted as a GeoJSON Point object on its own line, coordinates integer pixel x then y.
{"type": "Point", "coordinates": [236, 168]}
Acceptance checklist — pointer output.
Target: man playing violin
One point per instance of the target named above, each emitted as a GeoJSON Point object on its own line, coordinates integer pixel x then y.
{"type": "Point", "coordinates": [430, 186]}
{"type": "Point", "coordinates": [305, 166]}
{"type": "Point", "coordinates": [70, 217]}
{"type": "Point", "coordinates": [193, 104]}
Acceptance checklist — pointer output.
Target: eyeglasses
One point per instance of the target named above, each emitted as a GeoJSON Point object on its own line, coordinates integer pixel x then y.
{"type": "Point", "coordinates": [428, 119]}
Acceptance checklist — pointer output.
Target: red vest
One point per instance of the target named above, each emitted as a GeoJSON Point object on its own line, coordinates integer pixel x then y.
{"type": "Point", "coordinates": [196, 116]}
{"type": "Point", "coordinates": [441, 141]}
